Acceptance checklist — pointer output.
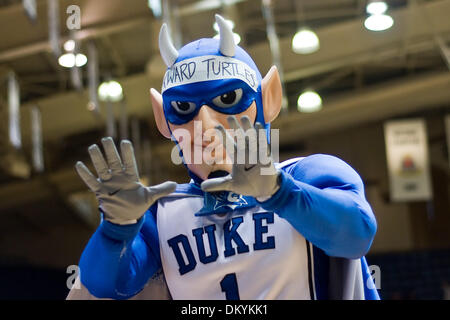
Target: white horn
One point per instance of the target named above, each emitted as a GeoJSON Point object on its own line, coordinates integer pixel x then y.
{"type": "Point", "coordinates": [227, 45]}
{"type": "Point", "coordinates": [166, 48]}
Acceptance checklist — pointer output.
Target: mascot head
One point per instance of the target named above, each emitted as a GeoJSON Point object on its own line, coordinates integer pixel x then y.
{"type": "Point", "coordinates": [206, 81]}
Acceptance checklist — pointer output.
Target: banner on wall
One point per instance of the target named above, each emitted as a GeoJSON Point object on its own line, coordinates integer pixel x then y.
{"type": "Point", "coordinates": [407, 160]}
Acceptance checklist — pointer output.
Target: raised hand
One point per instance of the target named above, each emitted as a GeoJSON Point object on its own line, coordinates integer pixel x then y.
{"type": "Point", "coordinates": [122, 198]}
{"type": "Point", "coordinates": [251, 178]}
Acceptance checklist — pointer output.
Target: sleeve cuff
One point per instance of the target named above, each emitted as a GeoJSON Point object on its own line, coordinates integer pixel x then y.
{"type": "Point", "coordinates": [121, 232]}
{"type": "Point", "coordinates": [279, 198]}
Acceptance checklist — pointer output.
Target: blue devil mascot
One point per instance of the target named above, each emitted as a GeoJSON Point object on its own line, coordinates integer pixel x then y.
{"type": "Point", "coordinates": [245, 226]}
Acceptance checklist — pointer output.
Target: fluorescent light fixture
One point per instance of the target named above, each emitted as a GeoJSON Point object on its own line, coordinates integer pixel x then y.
{"type": "Point", "coordinates": [376, 7]}
{"type": "Point", "coordinates": [378, 22]}
{"type": "Point", "coordinates": [236, 37]}
{"type": "Point", "coordinates": [110, 91]}
{"type": "Point", "coordinates": [69, 45]}
{"type": "Point", "coordinates": [305, 41]}
{"type": "Point", "coordinates": [309, 101]}
{"type": "Point", "coordinates": [68, 60]}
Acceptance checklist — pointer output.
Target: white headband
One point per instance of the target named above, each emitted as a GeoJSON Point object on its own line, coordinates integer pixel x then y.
{"type": "Point", "coordinates": [207, 68]}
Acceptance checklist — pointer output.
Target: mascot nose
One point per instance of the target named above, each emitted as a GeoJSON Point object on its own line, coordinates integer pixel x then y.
{"type": "Point", "coordinates": [208, 117]}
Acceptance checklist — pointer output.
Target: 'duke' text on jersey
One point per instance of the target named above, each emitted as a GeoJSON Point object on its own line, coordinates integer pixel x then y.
{"type": "Point", "coordinates": [233, 242]}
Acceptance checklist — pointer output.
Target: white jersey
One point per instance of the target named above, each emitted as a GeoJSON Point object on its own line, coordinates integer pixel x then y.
{"type": "Point", "coordinates": [248, 254]}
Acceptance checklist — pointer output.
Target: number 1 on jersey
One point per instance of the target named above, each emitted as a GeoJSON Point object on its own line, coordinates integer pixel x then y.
{"type": "Point", "coordinates": [230, 287]}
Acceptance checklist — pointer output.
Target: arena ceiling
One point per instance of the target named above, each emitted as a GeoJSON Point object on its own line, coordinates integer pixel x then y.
{"type": "Point", "coordinates": [352, 60]}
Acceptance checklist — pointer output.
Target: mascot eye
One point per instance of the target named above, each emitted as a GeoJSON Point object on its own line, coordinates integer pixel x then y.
{"type": "Point", "coordinates": [183, 107]}
{"type": "Point", "coordinates": [228, 99]}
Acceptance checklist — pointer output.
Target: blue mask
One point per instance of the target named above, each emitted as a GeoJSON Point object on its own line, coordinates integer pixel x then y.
{"type": "Point", "coordinates": [227, 96]}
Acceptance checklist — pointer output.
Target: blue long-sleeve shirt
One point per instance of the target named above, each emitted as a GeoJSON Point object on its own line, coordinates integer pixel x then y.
{"type": "Point", "coordinates": [320, 196]}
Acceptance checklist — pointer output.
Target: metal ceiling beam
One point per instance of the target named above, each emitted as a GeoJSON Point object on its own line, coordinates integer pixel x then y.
{"type": "Point", "coordinates": [315, 15]}
{"type": "Point", "coordinates": [203, 5]}
{"type": "Point", "coordinates": [95, 32]}
{"type": "Point", "coordinates": [347, 43]}
{"type": "Point", "coordinates": [343, 44]}
{"type": "Point", "coordinates": [121, 67]}
{"type": "Point", "coordinates": [369, 56]}
{"type": "Point", "coordinates": [392, 99]}
{"type": "Point", "coordinates": [84, 34]}
{"type": "Point", "coordinates": [66, 114]}
{"type": "Point", "coordinates": [62, 76]}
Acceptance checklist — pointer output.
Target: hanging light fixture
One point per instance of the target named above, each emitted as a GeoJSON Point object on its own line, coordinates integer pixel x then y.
{"type": "Point", "coordinates": [69, 45]}
{"type": "Point", "coordinates": [80, 59]}
{"type": "Point", "coordinates": [309, 101]}
{"type": "Point", "coordinates": [376, 7]}
{"type": "Point", "coordinates": [69, 60]}
{"type": "Point", "coordinates": [305, 41]}
{"type": "Point", "coordinates": [378, 20]}
{"type": "Point", "coordinates": [110, 91]}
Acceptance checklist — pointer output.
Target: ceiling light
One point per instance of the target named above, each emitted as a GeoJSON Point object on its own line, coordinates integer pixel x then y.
{"type": "Point", "coordinates": [305, 41]}
{"type": "Point", "coordinates": [115, 91]}
{"type": "Point", "coordinates": [378, 22]}
{"type": "Point", "coordinates": [80, 60]}
{"type": "Point", "coordinates": [103, 92]}
{"type": "Point", "coordinates": [376, 7]}
{"type": "Point", "coordinates": [69, 45]}
{"type": "Point", "coordinates": [68, 60]}
{"type": "Point", "coordinates": [309, 101]}
{"type": "Point", "coordinates": [110, 91]}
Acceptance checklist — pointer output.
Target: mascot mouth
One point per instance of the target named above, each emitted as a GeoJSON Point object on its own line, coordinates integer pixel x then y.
{"type": "Point", "coordinates": [217, 174]}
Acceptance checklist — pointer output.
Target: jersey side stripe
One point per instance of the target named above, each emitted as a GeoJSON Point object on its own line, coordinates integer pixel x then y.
{"type": "Point", "coordinates": [310, 275]}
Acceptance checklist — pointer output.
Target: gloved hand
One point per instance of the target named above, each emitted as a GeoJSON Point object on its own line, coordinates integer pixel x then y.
{"type": "Point", "coordinates": [251, 178]}
{"type": "Point", "coordinates": [122, 198]}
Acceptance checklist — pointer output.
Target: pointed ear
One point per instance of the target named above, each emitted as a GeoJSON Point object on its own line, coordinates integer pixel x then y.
{"type": "Point", "coordinates": [158, 112]}
{"type": "Point", "coordinates": [271, 94]}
